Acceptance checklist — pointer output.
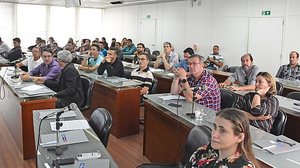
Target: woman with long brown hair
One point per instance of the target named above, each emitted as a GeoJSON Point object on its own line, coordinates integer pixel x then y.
{"type": "Point", "coordinates": [231, 144]}
{"type": "Point", "coordinates": [261, 107]}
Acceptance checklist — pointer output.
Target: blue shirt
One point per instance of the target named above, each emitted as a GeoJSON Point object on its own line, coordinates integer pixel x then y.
{"type": "Point", "coordinates": [93, 61]}
{"type": "Point", "coordinates": [49, 71]}
{"type": "Point", "coordinates": [183, 64]}
{"type": "Point", "coordinates": [104, 52]}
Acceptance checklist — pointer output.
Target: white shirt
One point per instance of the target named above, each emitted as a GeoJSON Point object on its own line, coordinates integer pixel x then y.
{"type": "Point", "coordinates": [31, 64]}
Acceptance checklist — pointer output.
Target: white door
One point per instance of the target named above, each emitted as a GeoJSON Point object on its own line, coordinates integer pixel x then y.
{"type": "Point", "coordinates": [148, 33]}
{"type": "Point", "coordinates": [265, 43]}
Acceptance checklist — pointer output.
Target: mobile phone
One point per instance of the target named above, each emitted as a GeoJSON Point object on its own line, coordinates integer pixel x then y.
{"type": "Point", "coordinates": [174, 105]}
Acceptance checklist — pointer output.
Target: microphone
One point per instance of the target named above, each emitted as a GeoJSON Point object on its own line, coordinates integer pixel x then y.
{"type": "Point", "coordinates": [202, 87]}
{"type": "Point", "coordinates": [72, 106]}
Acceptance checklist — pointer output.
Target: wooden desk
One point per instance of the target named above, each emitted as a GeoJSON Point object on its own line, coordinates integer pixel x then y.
{"type": "Point", "coordinates": [17, 114]}
{"type": "Point", "coordinates": [165, 135]}
{"type": "Point", "coordinates": [123, 103]}
{"type": "Point", "coordinates": [92, 145]}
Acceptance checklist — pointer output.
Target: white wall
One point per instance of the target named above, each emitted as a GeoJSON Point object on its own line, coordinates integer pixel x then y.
{"type": "Point", "coordinates": [225, 23]}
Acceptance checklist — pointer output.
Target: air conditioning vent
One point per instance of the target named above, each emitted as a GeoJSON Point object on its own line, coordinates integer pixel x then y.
{"type": "Point", "coordinates": [116, 2]}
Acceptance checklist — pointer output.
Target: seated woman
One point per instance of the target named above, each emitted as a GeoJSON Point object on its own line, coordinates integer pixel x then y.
{"type": "Point", "coordinates": [230, 146]}
{"type": "Point", "coordinates": [261, 106]}
{"type": "Point", "coordinates": [68, 87]}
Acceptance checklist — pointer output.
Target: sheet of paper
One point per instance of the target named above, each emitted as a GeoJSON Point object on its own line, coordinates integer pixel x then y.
{"type": "Point", "coordinates": [171, 97]}
{"type": "Point", "coordinates": [32, 87]}
{"type": "Point", "coordinates": [71, 125]}
{"type": "Point", "coordinates": [63, 115]}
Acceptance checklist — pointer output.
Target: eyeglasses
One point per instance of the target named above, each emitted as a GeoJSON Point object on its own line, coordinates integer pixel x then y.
{"type": "Point", "coordinates": [193, 63]}
{"type": "Point", "coordinates": [286, 142]}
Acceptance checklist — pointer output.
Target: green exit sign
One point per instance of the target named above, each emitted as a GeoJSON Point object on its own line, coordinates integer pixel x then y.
{"type": "Point", "coordinates": [266, 13]}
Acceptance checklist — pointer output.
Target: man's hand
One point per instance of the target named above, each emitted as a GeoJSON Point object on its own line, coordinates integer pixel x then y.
{"type": "Point", "coordinates": [25, 77]}
{"type": "Point", "coordinates": [39, 80]}
{"type": "Point", "coordinates": [222, 85]}
{"type": "Point", "coordinates": [180, 73]}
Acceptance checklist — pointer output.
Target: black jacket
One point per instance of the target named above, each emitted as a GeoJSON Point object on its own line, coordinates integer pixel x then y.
{"type": "Point", "coordinates": [14, 54]}
{"type": "Point", "coordinates": [115, 69]}
{"type": "Point", "coordinates": [69, 87]}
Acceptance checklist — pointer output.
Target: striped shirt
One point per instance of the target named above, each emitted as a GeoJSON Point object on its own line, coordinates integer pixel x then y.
{"type": "Point", "coordinates": [288, 72]}
{"type": "Point", "coordinates": [217, 58]}
{"type": "Point", "coordinates": [211, 97]}
{"type": "Point", "coordinates": [268, 106]}
{"type": "Point", "coordinates": [145, 76]}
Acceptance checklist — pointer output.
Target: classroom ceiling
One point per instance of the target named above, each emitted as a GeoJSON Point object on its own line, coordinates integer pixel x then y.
{"type": "Point", "coordinates": [88, 3]}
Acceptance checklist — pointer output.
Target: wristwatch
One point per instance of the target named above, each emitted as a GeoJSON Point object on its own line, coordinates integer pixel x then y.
{"type": "Point", "coordinates": [183, 80]}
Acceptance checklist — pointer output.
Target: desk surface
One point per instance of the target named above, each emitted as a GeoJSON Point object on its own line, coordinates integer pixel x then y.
{"type": "Point", "coordinates": [280, 160]}
{"type": "Point", "coordinates": [73, 149]}
{"type": "Point", "coordinates": [7, 72]}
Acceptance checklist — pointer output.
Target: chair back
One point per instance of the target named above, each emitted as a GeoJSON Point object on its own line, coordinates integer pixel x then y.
{"type": "Point", "coordinates": [232, 69]}
{"type": "Point", "coordinates": [87, 86]}
{"type": "Point", "coordinates": [228, 98]}
{"type": "Point", "coordinates": [279, 123]}
{"type": "Point", "coordinates": [294, 95]}
{"type": "Point", "coordinates": [147, 50]}
{"type": "Point", "coordinates": [154, 86]}
{"type": "Point", "coordinates": [199, 136]}
{"type": "Point", "coordinates": [101, 122]}
{"type": "Point", "coordinates": [127, 74]}
{"type": "Point", "coordinates": [154, 54]}
{"type": "Point", "coordinates": [279, 88]}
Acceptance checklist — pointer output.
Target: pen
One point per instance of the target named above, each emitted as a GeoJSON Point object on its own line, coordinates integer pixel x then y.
{"type": "Point", "coordinates": [63, 136]}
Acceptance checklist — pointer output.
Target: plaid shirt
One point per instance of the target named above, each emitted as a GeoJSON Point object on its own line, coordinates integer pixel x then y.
{"type": "Point", "coordinates": [211, 95]}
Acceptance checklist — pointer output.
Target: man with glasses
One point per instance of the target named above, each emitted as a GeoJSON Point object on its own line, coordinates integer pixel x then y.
{"type": "Point", "coordinates": [167, 59]}
{"type": "Point", "coordinates": [48, 70]}
{"type": "Point", "coordinates": [209, 96]}
{"type": "Point", "coordinates": [244, 76]}
{"type": "Point", "coordinates": [93, 59]}
{"type": "Point", "coordinates": [111, 64]}
{"type": "Point", "coordinates": [68, 87]}
{"type": "Point", "coordinates": [140, 50]}
{"type": "Point", "coordinates": [143, 73]}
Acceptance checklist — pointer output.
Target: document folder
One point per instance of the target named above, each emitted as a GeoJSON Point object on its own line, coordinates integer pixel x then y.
{"type": "Point", "coordinates": [65, 138]}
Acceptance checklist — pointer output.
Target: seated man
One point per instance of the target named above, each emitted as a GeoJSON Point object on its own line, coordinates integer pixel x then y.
{"type": "Point", "coordinates": [140, 50]}
{"type": "Point", "coordinates": [209, 97]}
{"type": "Point", "coordinates": [92, 61]}
{"type": "Point", "coordinates": [112, 65]}
{"type": "Point", "coordinates": [48, 70]}
{"type": "Point", "coordinates": [244, 76]}
{"type": "Point", "coordinates": [119, 51]}
{"type": "Point", "coordinates": [166, 59]}
{"type": "Point", "coordinates": [143, 74]}
{"type": "Point", "coordinates": [14, 53]}
{"type": "Point", "coordinates": [290, 71]}
{"type": "Point", "coordinates": [214, 60]}
{"type": "Point", "coordinates": [102, 49]}
{"type": "Point", "coordinates": [34, 61]}
{"type": "Point", "coordinates": [68, 87]}
{"type": "Point", "coordinates": [184, 62]}
{"type": "Point", "coordinates": [130, 48]}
